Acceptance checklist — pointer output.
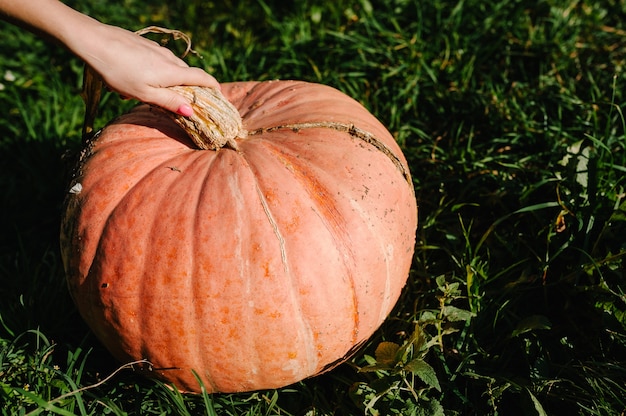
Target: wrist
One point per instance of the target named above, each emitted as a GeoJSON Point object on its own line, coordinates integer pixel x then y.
{"type": "Point", "coordinates": [80, 34]}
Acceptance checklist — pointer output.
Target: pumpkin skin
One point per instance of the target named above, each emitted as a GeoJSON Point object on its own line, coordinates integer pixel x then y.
{"type": "Point", "coordinates": [256, 267]}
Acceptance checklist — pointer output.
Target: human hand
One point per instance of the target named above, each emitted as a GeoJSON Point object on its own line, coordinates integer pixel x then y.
{"type": "Point", "coordinates": [136, 67]}
{"type": "Point", "coordinates": [129, 64]}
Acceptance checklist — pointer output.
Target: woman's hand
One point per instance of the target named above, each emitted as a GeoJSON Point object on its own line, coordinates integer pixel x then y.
{"type": "Point", "coordinates": [129, 64]}
{"type": "Point", "coordinates": [136, 67]}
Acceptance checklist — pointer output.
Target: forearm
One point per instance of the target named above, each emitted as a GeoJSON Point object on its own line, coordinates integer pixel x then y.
{"type": "Point", "coordinates": [51, 18]}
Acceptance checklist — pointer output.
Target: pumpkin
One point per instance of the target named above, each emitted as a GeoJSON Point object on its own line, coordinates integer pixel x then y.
{"type": "Point", "coordinates": [253, 263]}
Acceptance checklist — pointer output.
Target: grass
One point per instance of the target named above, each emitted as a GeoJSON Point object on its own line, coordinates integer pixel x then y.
{"type": "Point", "coordinates": [511, 116]}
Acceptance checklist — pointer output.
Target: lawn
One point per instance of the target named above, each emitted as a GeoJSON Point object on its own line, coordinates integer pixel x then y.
{"type": "Point", "coordinates": [510, 114]}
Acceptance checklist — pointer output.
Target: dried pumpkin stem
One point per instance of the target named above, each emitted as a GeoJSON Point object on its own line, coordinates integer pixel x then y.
{"type": "Point", "coordinates": [215, 122]}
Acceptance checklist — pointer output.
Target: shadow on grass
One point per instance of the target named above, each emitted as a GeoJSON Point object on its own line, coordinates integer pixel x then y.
{"type": "Point", "coordinates": [32, 285]}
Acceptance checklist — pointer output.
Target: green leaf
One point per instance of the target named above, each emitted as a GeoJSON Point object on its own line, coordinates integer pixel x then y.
{"type": "Point", "coordinates": [424, 371]}
{"type": "Point", "coordinates": [418, 340]}
{"type": "Point", "coordinates": [43, 404]}
{"type": "Point", "coordinates": [531, 323]}
{"type": "Point", "coordinates": [431, 408]}
{"type": "Point", "coordinates": [369, 359]}
{"type": "Point", "coordinates": [537, 404]}
{"type": "Point", "coordinates": [441, 281]}
{"type": "Point", "coordinates": [454, 314]}
{"type": "Point", "coordinates": [386, 353]}
{"type": "Point", "coordinates": [427, 317]}
{"type": "Point", "coordinates": [620, 213]}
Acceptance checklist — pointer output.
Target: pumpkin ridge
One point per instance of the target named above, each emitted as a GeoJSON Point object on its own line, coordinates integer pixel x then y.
{"type": "Point", "coordinates": [196, 352]}
{"type": "Point", "coordinates": [92, 151]}
{"type": "Point", "coordinates": [353, 131]}
{"type": "Point", "coordinates": [139, 188]}
{"type": "Point", "coordinates": [277, 233]}
{"type": "Point", "coordinates": [294, 298]}
{"type": "Point", "coordinates": [324, 211]}
{"type": "Point", "coordinates": [387, 256]}
{"type": "Point", "coordinates": [276, 92]}
{"type": "Point", "coordinates": [257, 361]}
{"type": "Point", "coordinates": [206, 375]}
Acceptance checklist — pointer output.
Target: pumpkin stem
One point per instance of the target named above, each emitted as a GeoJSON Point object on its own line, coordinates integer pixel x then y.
{"type": "Point", "coordinates": [215, 122]}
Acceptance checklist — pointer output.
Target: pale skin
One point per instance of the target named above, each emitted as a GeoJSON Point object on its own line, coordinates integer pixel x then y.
{"type": "Point", "coordinates": [129, 64]}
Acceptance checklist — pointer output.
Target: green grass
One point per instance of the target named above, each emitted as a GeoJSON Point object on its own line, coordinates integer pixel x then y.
{"type": "Point", "coordinates": [511, 116]}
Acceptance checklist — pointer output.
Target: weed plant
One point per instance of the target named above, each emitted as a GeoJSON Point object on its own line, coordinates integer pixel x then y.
{"type": "Point", "coordinates": [511, 116]}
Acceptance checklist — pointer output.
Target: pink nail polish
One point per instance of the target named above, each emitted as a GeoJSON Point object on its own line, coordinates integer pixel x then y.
{"type": "Point", "coordinates": [185, 110]}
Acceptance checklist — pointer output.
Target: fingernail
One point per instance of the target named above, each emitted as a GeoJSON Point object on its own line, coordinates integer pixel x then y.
{"type": "Point", "coordinates": [185, 110]}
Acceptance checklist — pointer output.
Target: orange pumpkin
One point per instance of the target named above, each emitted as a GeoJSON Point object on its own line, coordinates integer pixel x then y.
{"type": "Point", "coordinates": [255, 265]}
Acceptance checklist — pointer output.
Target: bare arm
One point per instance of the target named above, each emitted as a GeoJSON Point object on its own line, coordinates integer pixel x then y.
{"type": "Point", "coordinates": [131, 65]}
